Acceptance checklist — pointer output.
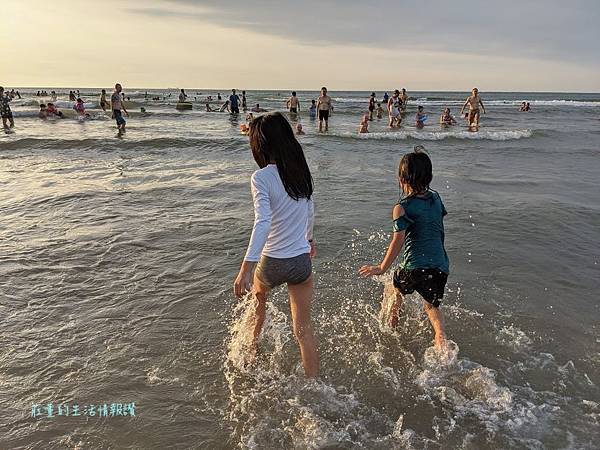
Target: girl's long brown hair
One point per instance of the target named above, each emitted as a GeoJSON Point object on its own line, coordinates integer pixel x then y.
{"type": "Point", "coordinates": [272, 139]}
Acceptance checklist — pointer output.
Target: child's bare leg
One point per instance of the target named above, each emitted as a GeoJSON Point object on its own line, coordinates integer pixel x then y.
{"type": "Point", "coordinates": [261, 293]}
{"type": "Point", "coordinates": [395, 310]}
{"type": "Point", "coordinates": [300, 302]}
{"type": "Point", "coordinates": [437, 322]}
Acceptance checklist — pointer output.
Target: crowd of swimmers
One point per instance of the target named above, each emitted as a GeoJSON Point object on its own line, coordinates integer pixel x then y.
{"type": "Point", "coordinates": [397, 106]}
{"type": "Point", "coordinates": [319, 109]}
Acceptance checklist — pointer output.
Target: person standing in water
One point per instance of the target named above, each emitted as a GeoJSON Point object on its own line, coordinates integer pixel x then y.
{"type": "Point", "coordinates": [281, 246]}
{"type": "Point", "coordinates": [244, 105]}
{"type": "Point", "coordinates": [403, 100]}
{"type": "Point", "coordinates": [323, 108]}
{"type": "Point", "coordinates": [234, 103]}
{"type": "Point", "coordinates": [473, 101]}
{"type": "Point", "coordinates": [394, 104]}
{"type": "Point", "coordinates": [312, 111]}
{"type": "Point", "coordinates": [117, 106]}
{"type": "Point", "coordinates": [446, 119]}
{"type": "Point", "coordinates": [5, 111]}
{"type": "Point", "coordinates": [371, 105]}
{"type": "Point", "coordinates": [418, 226]}
{"type": "Point", "coordinates": [293, 103]}
{"type": "Point", "coordinates": [103, 103]}
{"type": "Point", "coordinates": [182, 96]}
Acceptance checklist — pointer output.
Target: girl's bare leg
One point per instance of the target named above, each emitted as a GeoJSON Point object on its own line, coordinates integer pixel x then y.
{"type": "Point", "coordinates": [395, 310]}
{"type": "Point", "coordinates": [261, 293]}
{"type": "Point", "coordinates": [437, 322]}
{"type": "Point", "coordinates": [300, 301]}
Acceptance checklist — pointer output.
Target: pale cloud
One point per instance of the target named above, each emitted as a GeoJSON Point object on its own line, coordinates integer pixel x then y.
{"type": "Point", "coordinates": [302, 45]}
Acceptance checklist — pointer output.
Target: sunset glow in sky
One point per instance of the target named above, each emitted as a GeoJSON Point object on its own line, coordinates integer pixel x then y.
{"type": "Point", "coordinates": [264, 44]}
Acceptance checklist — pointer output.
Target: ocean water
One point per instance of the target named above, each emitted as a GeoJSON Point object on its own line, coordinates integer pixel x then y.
{"type": "Point", "coordinates": [118, 255]}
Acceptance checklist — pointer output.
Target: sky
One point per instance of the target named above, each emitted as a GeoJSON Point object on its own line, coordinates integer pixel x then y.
{"type": "Point", "coordinates": [451, 45]}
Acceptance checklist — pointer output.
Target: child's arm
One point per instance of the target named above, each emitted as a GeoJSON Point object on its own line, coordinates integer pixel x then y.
{"type": "Point", "coordinates": [258, 238]}
{"type": "Point", "coordinates": [392, 252]}
{"type": "Point", "coordinates": [309, 228]}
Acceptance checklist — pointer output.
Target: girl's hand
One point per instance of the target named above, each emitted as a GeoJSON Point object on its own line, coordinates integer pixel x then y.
{"type": "Point", "coordinates": [313, 249]}
{"type": "Point", "coordinates": [242, 283]}
{"type": "Point", "coordinates": [369, 271]}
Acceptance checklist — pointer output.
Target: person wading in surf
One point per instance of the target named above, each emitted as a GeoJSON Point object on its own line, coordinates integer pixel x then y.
{"type": "Point", "coordinates": [473, 101]}
{"type": "Point", "coordinates": [281, 246]}
{"type": "Point", "coordinates": [418, 227]}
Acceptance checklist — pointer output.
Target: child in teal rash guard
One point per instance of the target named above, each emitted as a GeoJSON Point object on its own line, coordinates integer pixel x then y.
{"type": "Point", "coordinates": [419, 228]}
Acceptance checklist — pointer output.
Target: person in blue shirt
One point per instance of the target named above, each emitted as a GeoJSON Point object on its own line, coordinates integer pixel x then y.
{"type": "Point", "coordinates": [313, 109]}
{"type": "Point", "coordinates": [234, 103]}
{"type": "Point", "coordinates": [418, 227]}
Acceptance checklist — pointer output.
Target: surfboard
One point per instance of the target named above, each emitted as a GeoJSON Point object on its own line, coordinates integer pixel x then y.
{"type": "Point", "coordinates": [183, 106]}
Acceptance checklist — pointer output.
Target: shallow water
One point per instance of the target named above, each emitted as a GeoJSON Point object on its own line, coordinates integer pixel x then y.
{"type": "Point", "coordinates": [118, 256]}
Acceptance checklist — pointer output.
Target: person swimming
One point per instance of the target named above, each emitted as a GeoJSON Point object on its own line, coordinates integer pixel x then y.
{"type": "Point", "coordinates": [446, 118]}
{"type": "Point", "coordinates": [299, 130]}
{"type": "Point", "coordinates": [420, 117]}
{"type": "Point", "coordinates": [257, 108]}
{"type": "Point", "coordinates": [79, 107]}
{"type": "Point", "coordinates": [52, 111]}
{"type": "Point", "coordinates": [364, 124]}
{"type": "Point", "coordinates": [224, 107]}
{"type": "Point", "coordinates": [43, 114]}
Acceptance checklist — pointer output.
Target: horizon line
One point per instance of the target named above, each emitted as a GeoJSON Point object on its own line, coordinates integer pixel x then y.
{"type": "Point", "coordinates": [301, 89]}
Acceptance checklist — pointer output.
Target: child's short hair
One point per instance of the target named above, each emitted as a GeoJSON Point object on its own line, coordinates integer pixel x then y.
{"type": "Point", "coordinates": [416, 170]}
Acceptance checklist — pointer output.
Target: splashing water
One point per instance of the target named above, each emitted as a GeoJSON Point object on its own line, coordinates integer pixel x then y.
{"type": "Point", "coordinates": [382, 387]}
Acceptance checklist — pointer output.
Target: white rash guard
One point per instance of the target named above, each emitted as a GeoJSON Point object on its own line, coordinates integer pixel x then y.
{"type": "Point", "coordinates": [282, 225]}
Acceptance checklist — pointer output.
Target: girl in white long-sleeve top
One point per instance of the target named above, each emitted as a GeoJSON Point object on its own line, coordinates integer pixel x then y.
{"type": "Point", "coordinates": [281, 245]}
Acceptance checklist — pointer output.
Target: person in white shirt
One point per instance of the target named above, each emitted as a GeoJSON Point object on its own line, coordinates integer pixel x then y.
{"type": "Point", "coordinates": [281, 245]}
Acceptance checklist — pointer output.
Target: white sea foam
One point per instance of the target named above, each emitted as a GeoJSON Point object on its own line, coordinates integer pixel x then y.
{"type": "Point", "coordinates": [514, 338]}
{"type": "Point", "coordinates": [441, 135]}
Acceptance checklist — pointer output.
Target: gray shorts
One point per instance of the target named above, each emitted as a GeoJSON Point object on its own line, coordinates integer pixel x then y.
{"type": "Point", "coordinates": [275, 271]}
